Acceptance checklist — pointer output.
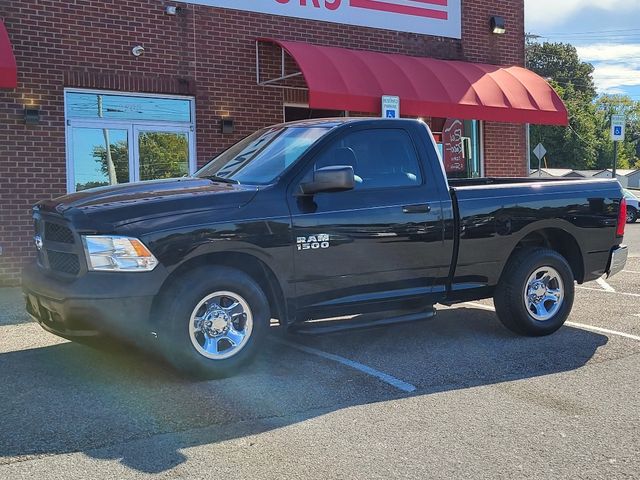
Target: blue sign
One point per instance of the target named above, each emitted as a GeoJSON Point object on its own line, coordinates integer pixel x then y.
{"type": "Point", "coordinates": [391, 114]}
{"type": "Point", "coordinates": [617, 130]}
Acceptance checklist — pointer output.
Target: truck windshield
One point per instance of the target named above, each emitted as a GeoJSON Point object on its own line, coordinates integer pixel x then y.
{"type": "Point", "coordinates": [262, 157]}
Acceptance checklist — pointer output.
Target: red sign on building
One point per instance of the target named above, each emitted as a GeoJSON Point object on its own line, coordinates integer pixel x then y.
{"type": "Point", "coordinates": [452, 146]}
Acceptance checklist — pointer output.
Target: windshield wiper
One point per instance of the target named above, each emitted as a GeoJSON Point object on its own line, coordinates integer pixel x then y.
{"type": "Point", "coordinates": [216, 178]}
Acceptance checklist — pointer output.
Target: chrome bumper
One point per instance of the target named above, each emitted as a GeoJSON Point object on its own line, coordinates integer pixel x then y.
{"type": "Point", "coordinates": [618, 260]}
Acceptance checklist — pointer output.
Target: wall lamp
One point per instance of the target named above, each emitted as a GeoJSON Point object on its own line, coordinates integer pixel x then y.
{"type": "Point", "coordinates": [31, 116]}
{"type": "Point", "coordinates": [227, 125]}
{"type": "Point", "coordinates": [498, 25]}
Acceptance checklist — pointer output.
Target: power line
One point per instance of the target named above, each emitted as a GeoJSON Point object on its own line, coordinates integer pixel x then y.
{"type": "Point", "coordinates": [595, 31]}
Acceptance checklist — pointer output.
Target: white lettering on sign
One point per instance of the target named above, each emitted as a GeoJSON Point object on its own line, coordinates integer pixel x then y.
{"type": "Point", "coordinates": [430, 17]}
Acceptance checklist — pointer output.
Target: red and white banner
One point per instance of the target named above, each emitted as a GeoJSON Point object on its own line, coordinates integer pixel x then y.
{"type": "Point", "coordinates": [430, 17]}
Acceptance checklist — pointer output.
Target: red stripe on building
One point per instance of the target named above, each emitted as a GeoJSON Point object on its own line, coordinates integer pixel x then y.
{"type": "Point", "coordinates": [402, 9]}
{"type": "Point", "coordinates": [444, 3]}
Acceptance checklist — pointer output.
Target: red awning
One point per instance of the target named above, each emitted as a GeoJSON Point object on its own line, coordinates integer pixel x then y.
{"type": "Point", "coordinates": [8, 69]}
{"type": "Point", "coordinates": [354, 80]}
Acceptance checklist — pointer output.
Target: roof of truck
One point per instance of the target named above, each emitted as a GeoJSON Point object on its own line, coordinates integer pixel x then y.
{"type": "Point", "coordinates": [337, 121]}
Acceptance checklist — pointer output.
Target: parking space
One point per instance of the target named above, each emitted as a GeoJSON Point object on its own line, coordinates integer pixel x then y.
{"type": "Point", "coordinates": [486, 403]}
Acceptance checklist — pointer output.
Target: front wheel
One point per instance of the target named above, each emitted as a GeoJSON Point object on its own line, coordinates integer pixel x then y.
{"type": "Point", "coordinates": [213, 321]}
{"type": "Point", "coordinates": [632, 215]}
{"type": "Point", "coordinates": [535, 293]}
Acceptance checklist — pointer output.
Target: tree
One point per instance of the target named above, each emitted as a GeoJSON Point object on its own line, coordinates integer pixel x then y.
{"type": "Point", "coordinates": [629, 150]}
{"type": "Point", "coordinates": [577, 145]}
{"type": "Point", "coordinates": [586, 143]}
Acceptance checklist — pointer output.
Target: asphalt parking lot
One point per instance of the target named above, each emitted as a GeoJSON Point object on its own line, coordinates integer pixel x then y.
{"type": "Point", "coordinates": [457, 396]}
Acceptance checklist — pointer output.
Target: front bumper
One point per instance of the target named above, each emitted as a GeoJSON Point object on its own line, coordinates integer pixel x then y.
{"type": "Point", "coordinates": [97, 302]}
{"type": "Point", "coordinates": [618, 260]}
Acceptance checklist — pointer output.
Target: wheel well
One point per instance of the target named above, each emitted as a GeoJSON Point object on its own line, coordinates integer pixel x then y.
{"type": "Point", "coordinates": [562, 242]}
{"type": "Point", "coordinates": [246, 263]}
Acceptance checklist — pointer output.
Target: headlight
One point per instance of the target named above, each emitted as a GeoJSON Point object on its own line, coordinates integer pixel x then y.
{"type": "Point", "coordinates": [117, 254]}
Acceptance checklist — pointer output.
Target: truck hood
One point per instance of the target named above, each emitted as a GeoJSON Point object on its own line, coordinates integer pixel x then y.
{"type": "Point", "coordinates": [116, 205]}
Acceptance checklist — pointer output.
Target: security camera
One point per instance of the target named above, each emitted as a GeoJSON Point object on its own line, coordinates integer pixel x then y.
{"type": "Point", "coordinates": [137, 50]}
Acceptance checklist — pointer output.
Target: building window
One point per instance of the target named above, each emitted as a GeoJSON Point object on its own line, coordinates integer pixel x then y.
{"type": "Point", "coordinates": [115, 138]}
{"type": "Point", "coordinates": [459, 142]}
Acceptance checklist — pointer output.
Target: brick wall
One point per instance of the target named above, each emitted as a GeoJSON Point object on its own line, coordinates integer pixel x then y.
{"type": "Point", "coordinates": [207, 52]}
{"type": "Point", "coordinates": [505, 150]}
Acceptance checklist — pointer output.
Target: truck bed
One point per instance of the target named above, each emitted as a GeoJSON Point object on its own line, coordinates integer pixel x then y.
{"type": "Point", "coordinates": [492, 212]}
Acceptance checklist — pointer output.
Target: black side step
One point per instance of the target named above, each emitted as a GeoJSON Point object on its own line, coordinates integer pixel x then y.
{"type": "Point", "coordinates": [359, 322]}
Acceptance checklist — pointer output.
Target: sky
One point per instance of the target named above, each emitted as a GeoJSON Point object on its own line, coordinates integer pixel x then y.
{"type": "Point", "coordinates": [605, 32]}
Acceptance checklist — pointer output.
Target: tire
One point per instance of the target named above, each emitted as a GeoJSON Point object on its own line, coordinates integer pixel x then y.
{"type": "Point", "coordinates": [632, 215]}
{"type": "Point", "coordinates": [520, 315]}
{"type": "Point", "coordinates": [179, 333]}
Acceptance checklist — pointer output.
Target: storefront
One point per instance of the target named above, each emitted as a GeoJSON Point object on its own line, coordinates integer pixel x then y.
{"type": "Point", "coordinates": [101, 93]}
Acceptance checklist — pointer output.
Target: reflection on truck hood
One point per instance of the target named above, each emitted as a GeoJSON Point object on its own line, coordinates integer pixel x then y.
{"type": "Point", "coordinates": [130, 202]}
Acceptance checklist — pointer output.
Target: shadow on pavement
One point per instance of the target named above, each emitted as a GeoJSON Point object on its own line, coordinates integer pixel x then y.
{"type": "Point", "coordinates": [69, 398]}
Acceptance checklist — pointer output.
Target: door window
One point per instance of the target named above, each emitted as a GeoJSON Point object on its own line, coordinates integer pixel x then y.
{"type": "Point", "coordinates": [162, 154]}
{"type": "Point", "coordinates": [113, 139]}
{"type": "Point", "coordinates": [101, 157]}
{"type": "Point", "coordinates": [381, 158]}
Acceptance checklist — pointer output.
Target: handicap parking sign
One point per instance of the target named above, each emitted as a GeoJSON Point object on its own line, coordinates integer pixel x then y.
{"type": "Point", "coordinates": [617, 128]}
{"type": "Point", "coordinates": [390, 107]}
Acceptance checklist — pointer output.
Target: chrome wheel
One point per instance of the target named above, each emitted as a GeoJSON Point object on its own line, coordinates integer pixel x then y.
{"type": "Point", "coordinates": [544, 293]}
{"type": "Point", "coordinates": [629, 216]}
{"type": "Point", "coordinates": [220, 325]}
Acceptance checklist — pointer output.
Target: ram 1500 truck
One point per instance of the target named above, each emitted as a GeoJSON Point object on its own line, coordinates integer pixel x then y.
{"type": "Point", "coordinates": [311, 220]}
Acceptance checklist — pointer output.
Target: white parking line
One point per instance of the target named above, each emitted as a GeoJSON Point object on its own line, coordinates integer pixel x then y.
{"type": "Point", "coordinates": [605, 291]}
{"type": "Point", "coordinates": [603, 283]}
{"type": "Point", "coordinates": [630, 271]}
{"type": "Point", "coordinates": [385, 377]}
{"type": "Point", "coordinates": [603, 330]}
{"type": "Point", "coordinates": [571, 324]}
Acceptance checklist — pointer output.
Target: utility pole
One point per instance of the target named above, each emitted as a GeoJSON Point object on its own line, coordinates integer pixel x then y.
{"type": "Point", "coordinates": [111, 168]}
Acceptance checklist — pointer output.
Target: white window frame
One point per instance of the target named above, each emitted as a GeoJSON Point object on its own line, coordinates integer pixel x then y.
{"type": "Point", "coordinates": [132, 126]}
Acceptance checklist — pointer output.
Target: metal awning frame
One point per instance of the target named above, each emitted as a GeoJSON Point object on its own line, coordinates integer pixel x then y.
{"type": "Point", "coordinates": [276, 82]}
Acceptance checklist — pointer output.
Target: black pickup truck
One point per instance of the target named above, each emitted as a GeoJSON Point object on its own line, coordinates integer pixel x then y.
{"type": "Point", "coordinates": [307, 221]}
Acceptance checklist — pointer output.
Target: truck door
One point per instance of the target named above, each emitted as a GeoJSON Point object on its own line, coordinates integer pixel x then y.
{"type": "Point", "coordinates": [380, 244]}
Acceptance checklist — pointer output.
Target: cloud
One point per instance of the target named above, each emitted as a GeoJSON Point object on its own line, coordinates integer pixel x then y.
{"type": "Point", "coordinates": [616, 65]}
{"type": "Point", "coordinates": [553, 12]}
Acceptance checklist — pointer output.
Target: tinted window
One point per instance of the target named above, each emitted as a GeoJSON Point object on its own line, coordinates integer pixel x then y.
{"type": "Point", "coordinates": [265, 155]}
{"type": "Point", "coordinates": [381, 158]}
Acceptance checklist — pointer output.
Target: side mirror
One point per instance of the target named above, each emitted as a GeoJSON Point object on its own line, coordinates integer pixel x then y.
{"type": "Point", "coordinates": [330, 179]}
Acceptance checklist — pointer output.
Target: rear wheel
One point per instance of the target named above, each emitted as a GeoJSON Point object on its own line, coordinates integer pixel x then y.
{"type": "Point", "coordinates": [213, 321]}
{"type": "Point", "coordinates": [535, 294]}
{"type": "Point", "coordinates": [632, 215]}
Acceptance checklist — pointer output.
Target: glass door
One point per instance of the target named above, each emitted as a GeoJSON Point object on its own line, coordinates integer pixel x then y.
{"type": "Point", "coordinates": [162, 152]}
{"type": "Point", "coordinates": [115, 138]}
{"type": "Point", "coordinates": [108, 153]}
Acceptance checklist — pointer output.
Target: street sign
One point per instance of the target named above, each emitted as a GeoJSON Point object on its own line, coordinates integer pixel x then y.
{"type": "Point", "coordinates": [618, 123]}
{"type": "Point", "coordinates": [390, 107]}
{"type": "Point", "coordinates": [540, 151]}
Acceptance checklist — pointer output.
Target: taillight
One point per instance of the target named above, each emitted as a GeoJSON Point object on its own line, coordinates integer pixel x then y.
{"type": "Point", "coordinates": [622, 218]}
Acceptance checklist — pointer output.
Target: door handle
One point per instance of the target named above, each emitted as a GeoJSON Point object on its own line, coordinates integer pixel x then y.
{"type": "Point", "coordinates": [419, 208]}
